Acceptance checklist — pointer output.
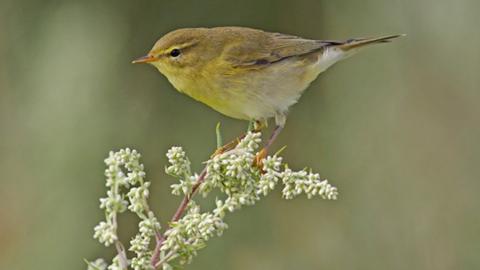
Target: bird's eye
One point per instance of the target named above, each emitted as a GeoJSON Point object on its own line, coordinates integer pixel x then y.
{"type": "Point", "coordinates": [174, 52]}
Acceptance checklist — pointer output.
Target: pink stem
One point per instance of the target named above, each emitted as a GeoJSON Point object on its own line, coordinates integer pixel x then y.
{"type": "Point", "coordinates": [178, 214]}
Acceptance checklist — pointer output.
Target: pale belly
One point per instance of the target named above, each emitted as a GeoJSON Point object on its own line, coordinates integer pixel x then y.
{"type": "Point", "coordinates": [274, 90]}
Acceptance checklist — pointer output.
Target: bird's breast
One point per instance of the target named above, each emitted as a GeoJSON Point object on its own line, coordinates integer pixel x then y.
{"type": "Point", "coordinates": [220, 92]}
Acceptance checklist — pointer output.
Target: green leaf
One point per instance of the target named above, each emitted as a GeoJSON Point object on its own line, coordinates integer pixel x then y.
{"type": "Point", "coordinates": [219, 136]}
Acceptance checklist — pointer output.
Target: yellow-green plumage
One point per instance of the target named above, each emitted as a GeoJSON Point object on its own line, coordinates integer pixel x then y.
{"type": "Point", "coordinates": [246, 73]}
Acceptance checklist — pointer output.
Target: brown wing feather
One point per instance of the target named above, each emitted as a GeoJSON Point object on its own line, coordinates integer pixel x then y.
{"type": "Point", "coordinates": [256, 49]}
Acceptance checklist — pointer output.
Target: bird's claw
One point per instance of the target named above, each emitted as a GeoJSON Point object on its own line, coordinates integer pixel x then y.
{"type": "Point", "coordinates": [227, 147]}
{"type": "Point", "coordinates": [261, 155]}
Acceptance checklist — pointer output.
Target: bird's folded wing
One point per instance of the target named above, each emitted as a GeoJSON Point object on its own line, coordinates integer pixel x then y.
{"type": "Point", "coordinates": [267, 48]}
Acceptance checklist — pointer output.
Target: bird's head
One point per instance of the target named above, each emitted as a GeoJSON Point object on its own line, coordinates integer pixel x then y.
{"type": "Point", "coordinates": [180, 52]}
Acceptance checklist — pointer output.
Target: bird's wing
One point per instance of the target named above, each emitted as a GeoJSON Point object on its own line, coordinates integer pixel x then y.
{"type": "Point", "coordinates": [260, 49]}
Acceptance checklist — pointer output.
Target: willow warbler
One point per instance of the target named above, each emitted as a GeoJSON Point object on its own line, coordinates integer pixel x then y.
{"type": "Point", "coordinates": [247, 73]}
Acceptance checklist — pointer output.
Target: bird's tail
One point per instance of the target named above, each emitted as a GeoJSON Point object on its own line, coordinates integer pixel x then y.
{"type": "Point", "coordinates": [335, 51]}
{"type": "Point", "coordinates": [357, 43]}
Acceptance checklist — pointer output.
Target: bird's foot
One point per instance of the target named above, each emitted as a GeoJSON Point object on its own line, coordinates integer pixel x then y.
{"type": "Point", "coordinates": [259, 157]}
{"type": "Point", "coordinates": [257, 127]}
{"type": "Point", "coordinates": [227, 147]}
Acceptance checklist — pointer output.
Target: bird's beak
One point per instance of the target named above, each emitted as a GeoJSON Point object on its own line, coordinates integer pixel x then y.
{"type": "Point", "coordinates": [144, 59]}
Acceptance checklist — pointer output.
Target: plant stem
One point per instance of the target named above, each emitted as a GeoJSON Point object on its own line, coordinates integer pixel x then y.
{"type": "Point", "coordinates": [178, 214]}
{"type": "Point", "coordinates": [122, 255]}
{"type": "Point", "coordinates": [158, 264]}
{"type": "Point", "coordinates": [183, 205]}
{"type": "Point", "coordinates": [156, 252]}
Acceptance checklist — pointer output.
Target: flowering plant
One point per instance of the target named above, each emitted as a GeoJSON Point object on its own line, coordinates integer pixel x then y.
{"type": "Point", "coordinates": [234, 173]}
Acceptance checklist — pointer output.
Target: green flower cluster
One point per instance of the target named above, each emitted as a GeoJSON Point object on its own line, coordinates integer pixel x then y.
{"type": "Point", "coordinates": [127, 190]}
{"type": "Point", "coordinates": [242, 183]}
{"type": "Point", "coordinates": [190, 234]}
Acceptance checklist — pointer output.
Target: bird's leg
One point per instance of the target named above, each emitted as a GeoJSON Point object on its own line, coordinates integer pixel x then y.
{"type": "Point", "coordinates": [257, 127]}
{"type": "Point", "coordinates": [280, 119]}
{"type": "Point", "coordinates": [264, 152]}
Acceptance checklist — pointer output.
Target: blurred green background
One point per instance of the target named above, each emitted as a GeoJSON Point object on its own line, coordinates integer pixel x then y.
{"type": "Point", "coordinates": [396, 128]}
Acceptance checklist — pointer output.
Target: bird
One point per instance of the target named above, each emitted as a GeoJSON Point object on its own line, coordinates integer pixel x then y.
{"type": "Point", "coordinates": [246, 73]}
